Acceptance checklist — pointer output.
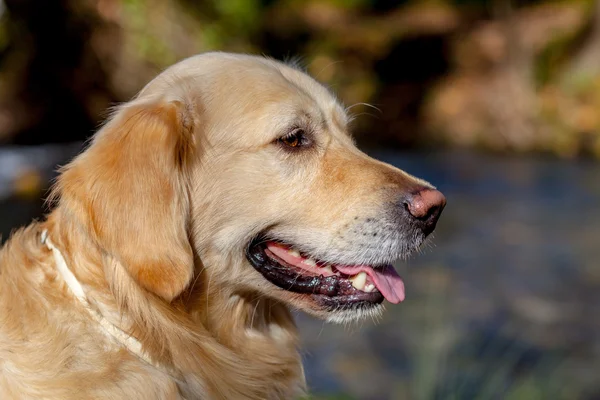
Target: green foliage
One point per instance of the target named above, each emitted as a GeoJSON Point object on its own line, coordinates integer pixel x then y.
{"type": "Point", "coordinates": [396, 55]}
{"type": "Point", "coordinates": [242, 14]}
{"type": "Point", "coordinates": [148, 45]}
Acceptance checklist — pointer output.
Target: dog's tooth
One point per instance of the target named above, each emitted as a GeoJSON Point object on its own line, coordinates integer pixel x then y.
{"type": "Point", "coordinates": [369, 287]}
{"type": "Point", "coordinates": [327, 268]}
{"type": "Point", "coordinates": [294, 252]}
{"type": "Point", "coordinates": [359, 280]}
{"type": "Point", "coordinates": [311, 262]}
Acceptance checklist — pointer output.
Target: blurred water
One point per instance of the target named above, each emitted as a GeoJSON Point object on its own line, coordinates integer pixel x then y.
{"type": "Point", "coordinates": [502, 304]}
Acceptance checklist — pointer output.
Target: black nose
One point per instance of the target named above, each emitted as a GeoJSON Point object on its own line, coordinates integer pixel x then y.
{"type": "Point", "coordinates": [425, 207]}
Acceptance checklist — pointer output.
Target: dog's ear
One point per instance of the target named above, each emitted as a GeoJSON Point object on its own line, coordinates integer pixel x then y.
{"type": "Point", "coordinates": [130, 189]}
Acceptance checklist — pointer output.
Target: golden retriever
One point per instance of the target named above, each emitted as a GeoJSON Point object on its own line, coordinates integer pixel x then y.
{"type": "Point", "coordinates": [227, 192]}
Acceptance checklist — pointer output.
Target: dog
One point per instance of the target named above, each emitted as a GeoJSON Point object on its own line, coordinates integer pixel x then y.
{"type": "Point", "coordinates": [225, 194]}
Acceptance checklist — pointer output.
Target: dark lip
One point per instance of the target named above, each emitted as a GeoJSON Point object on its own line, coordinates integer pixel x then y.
{"type": "Point", "coordinates": [332, 292]}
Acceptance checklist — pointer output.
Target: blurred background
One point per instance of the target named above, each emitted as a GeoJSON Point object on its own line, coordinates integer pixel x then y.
{"type": "Point", "coordinates": [496, 103]}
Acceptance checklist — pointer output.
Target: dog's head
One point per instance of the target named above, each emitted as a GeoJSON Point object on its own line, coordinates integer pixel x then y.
{"type": "Point", "coordinates": [247, 164]}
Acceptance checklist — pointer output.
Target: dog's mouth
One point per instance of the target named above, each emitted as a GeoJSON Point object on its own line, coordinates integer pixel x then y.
{"type": "Point", "coordinates": [332, 285]}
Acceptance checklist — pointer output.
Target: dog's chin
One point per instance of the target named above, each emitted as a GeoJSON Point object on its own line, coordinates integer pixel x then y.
{"type": "Point", "coordinates": [341, 315]}
{"type": "Point", "coordinates": [337, 293]}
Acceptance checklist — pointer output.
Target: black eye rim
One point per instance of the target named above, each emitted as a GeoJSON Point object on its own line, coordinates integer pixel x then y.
{"type": "Point", "coordinates": [299, 135]}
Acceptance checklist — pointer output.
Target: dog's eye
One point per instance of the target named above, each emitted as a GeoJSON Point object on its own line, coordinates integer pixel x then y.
{"type": "Point", "coordinates": [295, 139]}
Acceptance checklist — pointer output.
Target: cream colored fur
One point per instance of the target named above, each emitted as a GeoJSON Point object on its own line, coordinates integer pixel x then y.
{"type": "Point", "coordinates": [153, 218]}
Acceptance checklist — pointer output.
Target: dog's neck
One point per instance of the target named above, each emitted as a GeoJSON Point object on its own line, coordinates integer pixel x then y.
{"type": "Point", "coordinates": [208, 335]}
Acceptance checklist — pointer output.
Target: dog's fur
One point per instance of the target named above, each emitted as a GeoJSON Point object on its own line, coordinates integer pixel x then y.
{"type": "Point", "coordinates": [154, 219]}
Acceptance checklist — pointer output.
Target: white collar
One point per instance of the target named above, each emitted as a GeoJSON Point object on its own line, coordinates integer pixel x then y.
{"type": "Point", "coordinates": [125, 339]}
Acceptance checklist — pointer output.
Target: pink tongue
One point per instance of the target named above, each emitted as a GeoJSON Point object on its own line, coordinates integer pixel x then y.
{"type": "Point", "coordinates": [387, 280]}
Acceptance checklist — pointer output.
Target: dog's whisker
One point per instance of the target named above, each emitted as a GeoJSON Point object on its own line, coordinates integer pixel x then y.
{"type": "Point", "coordinates": [363, 104]}
{"type": "Point", "coordinates": [254, 314]}
{"type": "Point", "coordinates": [328, 66]}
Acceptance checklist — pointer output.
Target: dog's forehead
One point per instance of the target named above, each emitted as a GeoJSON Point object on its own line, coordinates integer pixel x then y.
{"type": "Point", "coordinates": [258, 79]}
{"type": "Point", "coordinates": [241, 87]}
{"type": "Point", "coordinates": [288, 95]}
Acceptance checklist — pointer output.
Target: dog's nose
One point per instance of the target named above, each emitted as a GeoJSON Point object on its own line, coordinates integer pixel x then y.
{"type": "Point", "coordinates": [426, 205]}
